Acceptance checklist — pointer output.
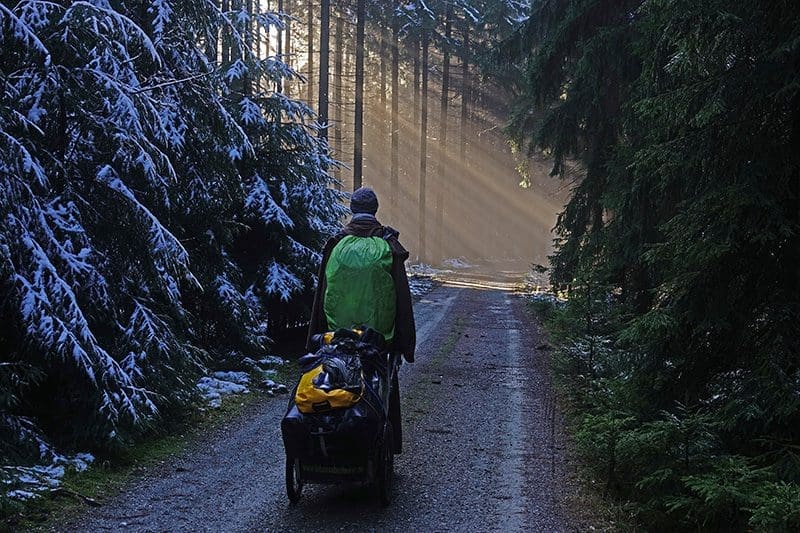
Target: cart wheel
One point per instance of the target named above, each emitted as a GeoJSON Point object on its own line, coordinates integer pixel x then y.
{"type": "Point", "coordinates": [385, 465]}
{"type": "Point", "coordinates": [294, 485]}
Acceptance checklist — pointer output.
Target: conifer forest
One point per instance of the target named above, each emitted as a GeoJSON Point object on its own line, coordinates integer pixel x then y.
{"type": "Point", "coordinates": [171, 169]}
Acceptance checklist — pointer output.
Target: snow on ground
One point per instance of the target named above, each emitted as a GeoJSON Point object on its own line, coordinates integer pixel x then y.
{"type": "Point", "coordinates": [272, 360]}
{"type": "Point", "coordinates": [420, 279]}
{"type": "Point", "coordinates": [214, 389]}
{"type": "Point", "coordinates": [458, 263]}
{"type": "Point", "coordinates": [537, 280]}
{"type": "Point", "coordinates": [420, 286]}
{"type": "Point", "coordinates": [545, 297]}
{"type": "Point", "coordinates": [228, 383]}
{"type": "Point", "coordinates": [272, 388]}
{"type": "Point", "coordinates": [28, 482]}
{"type": "Point", "coordinates": [239, 378]}
{"type": "Point", "coordinates": [421, 269]}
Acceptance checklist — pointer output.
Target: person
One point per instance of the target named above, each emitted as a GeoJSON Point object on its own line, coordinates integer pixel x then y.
{"type": "Point", "coordinates": [362, 282]}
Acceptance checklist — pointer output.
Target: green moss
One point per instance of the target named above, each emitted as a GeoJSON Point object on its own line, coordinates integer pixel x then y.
{"type": "Point", "coordinates": [449, 344]}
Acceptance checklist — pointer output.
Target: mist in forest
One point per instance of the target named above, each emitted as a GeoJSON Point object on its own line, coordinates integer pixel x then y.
{"type": "Point", "coordinates": [478, 206]}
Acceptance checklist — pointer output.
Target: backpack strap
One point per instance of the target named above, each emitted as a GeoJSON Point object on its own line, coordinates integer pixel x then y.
{"type": "Point", "coordinates": [389, 232]}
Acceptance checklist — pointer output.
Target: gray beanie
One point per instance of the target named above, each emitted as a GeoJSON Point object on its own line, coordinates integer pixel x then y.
{"type": "Point", "coordinates": [364, 200]}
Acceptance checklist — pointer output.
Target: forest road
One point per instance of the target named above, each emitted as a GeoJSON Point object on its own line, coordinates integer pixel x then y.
{"type": "Point", "coordinates": [484, 446]}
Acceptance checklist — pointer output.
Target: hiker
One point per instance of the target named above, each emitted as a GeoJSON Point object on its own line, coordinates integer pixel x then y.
{"type": "Point", "coordinates": [362, 282]}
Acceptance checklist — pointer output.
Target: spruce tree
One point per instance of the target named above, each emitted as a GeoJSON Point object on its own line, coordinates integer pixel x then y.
{"type": "Point", "coordinates": [160, 207]}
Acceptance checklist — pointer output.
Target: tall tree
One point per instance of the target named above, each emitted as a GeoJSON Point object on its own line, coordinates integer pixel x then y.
{"type": "Point", "coordinates": [423, 147]}
{"type": "Point", "coordinates": [465, 94]}
{"type": "Point", "coordinates": [324, 60]}
{"type": "Point", "coordinates": [226, 34]}
{"type": "Point", "coordinates": [683, 231]}
{"type": "Point", "coordinates": [338, 81]}
{"type": "Point", "coordinates": [416, 44]}
{"type": "Point", "coordinates": [279, 43]}
{"type": "Point", "coordinates": [442, 177]}
{"type": "Point", "coordinates": [119, 320]}
{"type": "Point", "coordinates": [383, 52]}
{"type": "Point", "coordinates": [310, 53]}
{"type": "Point", "coordinates": [358, 149]}
{"type": "Point", "coordinates": [395, 47]}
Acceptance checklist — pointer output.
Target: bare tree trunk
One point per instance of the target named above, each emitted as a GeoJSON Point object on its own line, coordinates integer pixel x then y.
{"type": "Point", "coordinates": [279, 50]}
{"type": "Point", "coordinates": [383, 55]}
{"type": "Point", "coordinates": [382, 118]}
{"type": "Point", "coordinates": [465, 96]}
{"type": "Point", "coordinates": [324, 57]}
{"type": "Point", "coordinates": [417, 44]}
{"type": "Point", "coordinates": [442, 174]}
{"type": "Point", "coordinates": [347, 90]}
{"type": "Point", "coordinates": [310, 76]}
{"type": "Point", "coordinates": [423, 147]}
{"type": "Point", "coordinates": [226, 34]}
{"type": "Point", "coordinates": [250, 44]}
{"type": "Point", "coordinates": [286, 7]}
{"type": "Point", "coordinates": [359, 112]}
{"type": "Point", "coordinates": [393, 200]}
{"type": "Point", "coordinates": [245, 44]}
{"type": "Point", "coordinates": [212, 42]}
{"type": "Point", "coordinates": [338, 81]}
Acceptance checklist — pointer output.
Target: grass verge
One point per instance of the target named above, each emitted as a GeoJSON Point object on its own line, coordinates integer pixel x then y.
{"type": "Point", "coordinates": [107, 476]}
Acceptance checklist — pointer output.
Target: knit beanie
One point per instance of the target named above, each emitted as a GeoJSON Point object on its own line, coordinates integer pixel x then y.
{"type": "Point", "coordinates": [364, 200]}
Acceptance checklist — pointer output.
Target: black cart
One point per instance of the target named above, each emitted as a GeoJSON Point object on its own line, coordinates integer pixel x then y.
{"type": "Point", "coordinates": [352, 444]}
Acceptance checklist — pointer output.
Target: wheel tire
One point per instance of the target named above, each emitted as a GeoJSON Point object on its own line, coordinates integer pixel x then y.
{"type": "Point", "coordinates": [294, 485]}
{"type": "Point", "coordinates": [385, 465]}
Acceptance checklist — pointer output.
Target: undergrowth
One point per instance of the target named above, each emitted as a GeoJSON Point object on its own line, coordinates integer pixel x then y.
{"type": "Point", "coordinates": [674, 465]}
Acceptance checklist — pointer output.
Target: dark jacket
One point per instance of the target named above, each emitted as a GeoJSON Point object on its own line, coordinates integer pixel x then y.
{"type": "Point", "coordinates": [405, 334]}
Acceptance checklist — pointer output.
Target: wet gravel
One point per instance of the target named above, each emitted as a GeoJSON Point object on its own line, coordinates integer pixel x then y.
{"type": "Point", "coordinates": [483, 451]}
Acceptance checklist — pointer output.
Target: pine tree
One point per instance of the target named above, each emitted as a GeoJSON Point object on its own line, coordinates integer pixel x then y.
{"type": "Point", "coordinates": [682, 117]}
{"type": "Point", "coordinates": [160, 206]}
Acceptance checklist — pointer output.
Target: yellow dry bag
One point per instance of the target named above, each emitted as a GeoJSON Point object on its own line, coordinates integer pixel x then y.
{"type": "Point", "coordinates": [322, 389]}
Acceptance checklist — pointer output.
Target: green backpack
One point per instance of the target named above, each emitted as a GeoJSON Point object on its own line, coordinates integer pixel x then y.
{"type": "Point", "coordinates": [360, 290]}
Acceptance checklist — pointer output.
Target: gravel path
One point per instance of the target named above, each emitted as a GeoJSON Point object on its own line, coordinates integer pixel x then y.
{"type": "Point", "coordinates": [483, 446]}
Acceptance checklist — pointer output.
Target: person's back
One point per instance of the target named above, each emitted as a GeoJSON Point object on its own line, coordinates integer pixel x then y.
{"type": "Point", "coordinates": [363, 282]}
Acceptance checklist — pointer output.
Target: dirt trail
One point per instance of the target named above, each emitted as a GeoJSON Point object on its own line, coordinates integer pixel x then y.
{"type": "Point", "coordinates": [483, 446]}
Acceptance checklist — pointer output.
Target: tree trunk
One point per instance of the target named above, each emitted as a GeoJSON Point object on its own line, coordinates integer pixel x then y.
{"type": "Point", "coordinates": [310, 74]}
{"type": "Point", "coordinates": [212, 41]}
{"type": "Point", "coordinates": [359, 112]}
{"type": "Point", "coordinates": [393, 199]}
{"type": "Point", "coordinates": [382, 119]}
{"type": "Point", "coordinates": [285, 6]}
{"type": "Point", "coordinates": [244, 32]}
{"type": "Point", "coordinates": [383, 55]}
{"type": "Point", "coordinates": [442, 174]}
{"type": "Point", "coordinates": [226, 34]}
{"type": "Point", "coordinates": [417, 43]}
{"type": "Point", "coordinates": [338, 81]}
{"type": "Point", "coordinates": [279, 50]}
{"type": "Point", "coordinates": [465, 90]}
{"type": "Point", "coordinates": [324, 53]}
{"type": "Point", "coordinates": [347, 91]}
{"type": "Point", "coordinates": [423, 147]}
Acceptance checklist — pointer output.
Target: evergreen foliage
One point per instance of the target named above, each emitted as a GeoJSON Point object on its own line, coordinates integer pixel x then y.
{"type": "Point", "coordinates": [679, 122]}
{"type": "Point", "coordinates": [158, 209]}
